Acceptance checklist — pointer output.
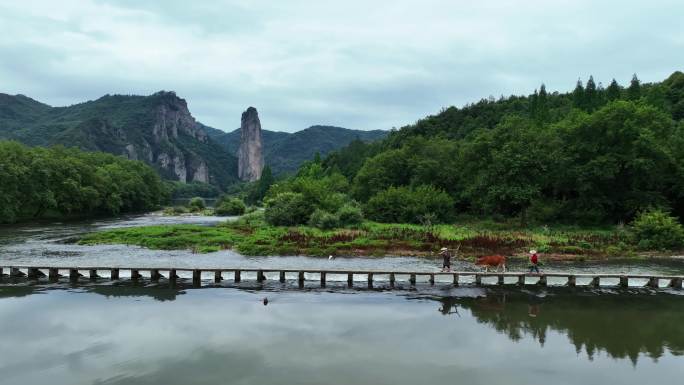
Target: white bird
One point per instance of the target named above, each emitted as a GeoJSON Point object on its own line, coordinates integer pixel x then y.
{"type": "Point", "coordinates": [330, 258]}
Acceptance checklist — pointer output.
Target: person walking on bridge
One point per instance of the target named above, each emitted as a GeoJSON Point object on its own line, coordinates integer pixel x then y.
{"type": "Point", "coordinates": [446, 259]}
{"type": "Point", "coordinates": [534, 261]}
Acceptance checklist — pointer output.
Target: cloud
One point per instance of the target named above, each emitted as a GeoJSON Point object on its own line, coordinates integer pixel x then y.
{"type": "Point", "coordinates": [356, 64]}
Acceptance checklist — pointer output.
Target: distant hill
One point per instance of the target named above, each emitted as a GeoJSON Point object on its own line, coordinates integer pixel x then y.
{"type": "Point", "coordinates": [157, 129]}
{"type": "Point", "coordinates": [285, 152]}
{"type": "Point", "coordinates": [160, 130]}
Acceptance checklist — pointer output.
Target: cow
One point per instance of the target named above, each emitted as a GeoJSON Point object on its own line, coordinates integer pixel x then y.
{"type": "Point", "coordinates": [492, 261]}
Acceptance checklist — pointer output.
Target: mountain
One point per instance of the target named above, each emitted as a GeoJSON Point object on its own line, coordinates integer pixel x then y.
{"type": "Point", "coordinates": [285, 152]}
{"type": "Point", "coordinates": [157, 129]}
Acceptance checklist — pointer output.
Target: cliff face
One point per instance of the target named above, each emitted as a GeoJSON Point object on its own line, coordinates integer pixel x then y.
{"type": "Point", "coordinates": [157, 129]}
{"type": "Point", "coordinates": [250, 157]}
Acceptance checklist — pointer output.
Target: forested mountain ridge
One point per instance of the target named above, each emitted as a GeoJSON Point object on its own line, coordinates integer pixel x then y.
{"type": "Point", "coordinates": [285, 152]}
{"type": "Point", "coordinates": [157, 129]}
{"type": "Point", "coordinates": [591, 156]}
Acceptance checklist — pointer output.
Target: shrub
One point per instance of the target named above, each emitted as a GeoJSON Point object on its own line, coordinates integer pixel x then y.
{"type": "Point", "coordinates": [656, 229]}
{"type": "Point", "coordinates": [232, 206]}
{"type": "Point", "coordinates": [196, 204]}
{"type": "Point", "coordinates": [288, 209]}
{"type": "Point", "coordinates": [404, 204]}
{"type": "Point", "coordinates": [350, 215]}
{"type": "Point", "coordinates": [176, 210]}
{"type": "Point", "coordinates": [324, 220]}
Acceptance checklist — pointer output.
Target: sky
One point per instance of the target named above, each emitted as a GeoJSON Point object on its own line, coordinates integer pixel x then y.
{"type": "Point", "coordinates": [356, 64]}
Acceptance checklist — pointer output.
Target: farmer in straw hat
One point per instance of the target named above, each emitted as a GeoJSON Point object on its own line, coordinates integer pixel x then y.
{"type": "Point", "coordinates": [534, 261]}
{"type": "Point", "coordinates": [446, 259]}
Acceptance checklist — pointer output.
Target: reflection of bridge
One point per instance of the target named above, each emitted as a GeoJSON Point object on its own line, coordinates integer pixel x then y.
{"type": "Point", "coordinates": [301, 275]}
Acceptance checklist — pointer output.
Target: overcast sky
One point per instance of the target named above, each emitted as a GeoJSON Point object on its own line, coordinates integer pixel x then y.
{"type": "Point", "coordinates": [356, 64]}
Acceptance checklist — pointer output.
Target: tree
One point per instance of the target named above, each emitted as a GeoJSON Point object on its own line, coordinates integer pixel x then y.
{"type": "Point", "coordinates": [578, 95]}
{"type": "Point", "coordinates": [504, 170]}
{"type": "Point", "coordinates": [260, 188]}
{"type": "Point", "coordinates": [614, 162]}
{"type": "Point", "coordinates": [590, 95]}
{"type": "Point", "coordinates": [542, 113]}
{"type": "Point", "coordinates": [634, 90]}
{"type": "Point", "coordinates": [613, 90]}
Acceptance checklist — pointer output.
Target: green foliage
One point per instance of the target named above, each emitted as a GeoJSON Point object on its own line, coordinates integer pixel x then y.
{"type": "Point", "coordinates": [175, 210]}
{"type": "Point", "coordinates": [350, 215]}
{"type": "Point", "coordinates": [590, 156]}
{"type": "Point", "coordinates": [252, 236]}
{"type": "Point", "coordinates": [196, 204]}
{"type": "Point", "coordinates": [324, 220]}
{"type": "Point", "coordinates": [181, 190]}
{"type": "Point", "coordinates": [288, 209]}
{"type": "Point", "coordinates": [230, 206]}
{"type": "Point", "coordinates": [116, 124]}
{"type": "Point", "coordinates": [409, 205]}
{"type": "Point", "coordinates": [258, 190]}
{"type": "Point", "coordinates": [39, 182]}
{"type": "Point", "coordinates": [656, 230]}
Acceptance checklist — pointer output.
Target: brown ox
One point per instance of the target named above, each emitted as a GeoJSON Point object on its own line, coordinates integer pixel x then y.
{"type": "Point", "coordinates": [492, 261]}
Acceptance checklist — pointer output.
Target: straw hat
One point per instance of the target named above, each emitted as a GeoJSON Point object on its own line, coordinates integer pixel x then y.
{"type": "Point", "coordinates": [533, 251]}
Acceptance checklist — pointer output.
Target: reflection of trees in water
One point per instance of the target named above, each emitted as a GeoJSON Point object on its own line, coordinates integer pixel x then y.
{"type": "Point", "coordinates": [621, 325]}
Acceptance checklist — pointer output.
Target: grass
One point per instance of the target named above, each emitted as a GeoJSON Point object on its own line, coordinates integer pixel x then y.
{"type": "Point", "coordinates": [252, 236]}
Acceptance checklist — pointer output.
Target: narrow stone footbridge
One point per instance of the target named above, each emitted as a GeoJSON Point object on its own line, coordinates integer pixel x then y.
{"type": "Point", "coordinates": [155, 274]}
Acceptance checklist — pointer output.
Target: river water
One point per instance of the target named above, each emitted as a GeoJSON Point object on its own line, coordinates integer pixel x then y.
{"type": "Point", "coordinates": [143, 333]}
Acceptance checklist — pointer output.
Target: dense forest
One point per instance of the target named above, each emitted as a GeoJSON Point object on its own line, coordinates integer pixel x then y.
{"type": "Point", "coordinates": [596, 155]}
{"type": "Point", "coordinates": [62, 182]}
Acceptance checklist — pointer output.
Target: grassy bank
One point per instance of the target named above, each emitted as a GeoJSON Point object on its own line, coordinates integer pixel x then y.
{"type": "Point", "coordinates": [251, 236]}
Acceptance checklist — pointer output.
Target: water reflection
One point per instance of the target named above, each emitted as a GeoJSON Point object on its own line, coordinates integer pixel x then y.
{"type": "Point", "coordinates": [622, 326]}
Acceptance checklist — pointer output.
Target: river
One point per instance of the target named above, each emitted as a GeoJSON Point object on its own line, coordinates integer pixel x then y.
{"type": "Point", "coordinates": [144, 333]}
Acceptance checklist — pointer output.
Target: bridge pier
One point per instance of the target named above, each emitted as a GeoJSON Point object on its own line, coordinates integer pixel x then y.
{"type": "Point", "coordinates": [114, 274]}
{"type": "Point", "coordinates": [624, 282]}
{"type": "Point", "coordinates": [282, 277]}
{"type": "Point", "coordinates": [456, 279]}
{"type": "Point", "coordinates": [652, 282]}
{"type": "Point", "coordinates": [370, 279]}
{"type": "Point", "coordinates": [521, 280]}
{"type": "Point", "coordinates": [92, 274]}
{"type": "Point", "coordinates": [478, 279]}
{"type": "Point", "coordinates": [197, 277]}
{"type": "Point", "coordinates": [53, 274]}
{"type": "Point", "coordinates": [35, 273]}
{"type": "Point", "coordinates": [392, 278]}
{"type": "Point", "coordinates": [676, 283]}
{"type": "Point", "coordinates": [432, 279]}
{"type": "Point", "coordinates": [16, 273]}
{"type": "Point", "coordinates": [412, 279]}
{"type": "Point", "coordinates": [236, 276]}
{"type": "Point", "coordinates": [300, 278]}
{"type": "Point", "coordinates": [350, 279]}
{"type": "Point", "coordinates": [322, 278]}
{"type": "Point", "coordinates": [542, 281]}
{"type": "Point", "coordinates": [173, 276]}
{"type": "Point", "coordinates": [260, 276]}
{"type": "Point", "coordinates": [135, 274]}
{"type": "Point", "coordinates": [595, 282]}
{"type": "Point", "coordinates": [218, 277]}
{"type": "Point", "coordinates": [500, 280]}
{"type": "Point", "coordinates": [74, 275]}
{"type": "Point", "coordinates": [572, 281]}
{"type": "Point", "coordinates": [155, 275]}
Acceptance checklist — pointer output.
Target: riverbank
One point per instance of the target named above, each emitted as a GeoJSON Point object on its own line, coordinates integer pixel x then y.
{"type": "Point", "coordinates": [251, 236]}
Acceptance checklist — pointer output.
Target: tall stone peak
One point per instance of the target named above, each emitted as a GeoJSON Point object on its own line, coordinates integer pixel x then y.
{"type": "Point", "coordinates": [250, 156]}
